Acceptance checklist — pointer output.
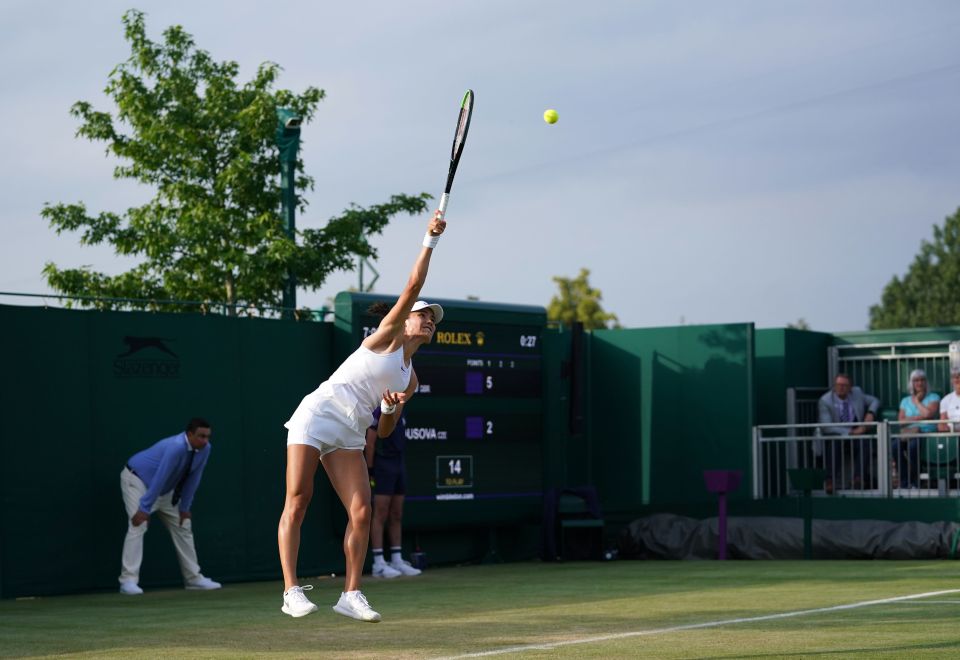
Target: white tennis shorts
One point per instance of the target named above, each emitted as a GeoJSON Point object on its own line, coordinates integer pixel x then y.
{"type": "Point", "coordinates": [322, 431]}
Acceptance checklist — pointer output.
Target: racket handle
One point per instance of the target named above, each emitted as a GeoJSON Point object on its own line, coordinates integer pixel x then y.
{"type": "Point", "coordinates": [443, 204]}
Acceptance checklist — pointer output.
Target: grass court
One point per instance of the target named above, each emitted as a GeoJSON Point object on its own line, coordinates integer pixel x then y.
{"type": "Point", "coordinates": [668, 609]}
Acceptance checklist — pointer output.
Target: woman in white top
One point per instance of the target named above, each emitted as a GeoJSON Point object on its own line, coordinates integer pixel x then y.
{"type": "Point", "coordinates": [329, 428]}
{"type": "Point", "coordinates": [950, 405]}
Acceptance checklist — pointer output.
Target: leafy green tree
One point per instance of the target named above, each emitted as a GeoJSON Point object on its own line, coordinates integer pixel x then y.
{"type": "Point", "coordinates": [206, 144]}
{"type": "Point", "coordinates": [578, 301]}
{"type": "Point", "coordinates": [928, 294]}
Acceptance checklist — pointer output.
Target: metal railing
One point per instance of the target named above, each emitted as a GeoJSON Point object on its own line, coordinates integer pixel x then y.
{"type": "Point", "coordinates": [802, 404]}
{"type": "Point", "coordinates": [883, 369]}
{"type": "Point", "coordinates": [889, 459]}
{"type": "Point", "coordinates": [924, 463]}
{"type": "Point", "coordinates": [203, 307]}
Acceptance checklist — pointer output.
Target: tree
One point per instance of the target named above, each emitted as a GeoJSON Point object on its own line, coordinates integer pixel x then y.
{"type": "Point", "coordinates": [213, 231]}
{"type": "Point", "coordinates": [577, 301]}
{"type": "Point", "coordinates": [799, 324]}
{"type": "Point", "coordinates": [927, 295]}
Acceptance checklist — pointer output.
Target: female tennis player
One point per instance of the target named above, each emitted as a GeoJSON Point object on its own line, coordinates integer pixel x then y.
{"type": "Point", "coordinates": [329, 428]}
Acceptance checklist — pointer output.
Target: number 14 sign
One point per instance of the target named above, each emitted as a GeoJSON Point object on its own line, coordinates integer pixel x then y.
{"type": "Point", "coordinates": [454, 472]}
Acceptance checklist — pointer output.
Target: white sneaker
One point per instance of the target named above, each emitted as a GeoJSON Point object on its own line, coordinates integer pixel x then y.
{"type": "Point", "coordinates": [130, 588]}
{"type": "Point", "coordinates": [355, 606]}
{"type": "Point", "coordinates": [385, 571]}
{"type": "Point", "coordinates": [404, 568]}
{"type": "Point", "coordinates": [202, 584]}
{"type": "Point", "coordinates": [295, 602]}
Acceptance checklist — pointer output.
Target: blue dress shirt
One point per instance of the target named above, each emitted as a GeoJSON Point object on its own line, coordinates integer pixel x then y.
{"type": "Point", "coordinates": [161, 467]}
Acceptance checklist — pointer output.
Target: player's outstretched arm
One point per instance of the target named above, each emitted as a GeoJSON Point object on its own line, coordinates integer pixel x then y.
{"type": "Point", "coordinates": [391, 327]}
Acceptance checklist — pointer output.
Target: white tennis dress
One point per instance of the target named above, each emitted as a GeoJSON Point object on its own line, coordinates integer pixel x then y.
{"type": "Point", "coordinates": [336, 414]}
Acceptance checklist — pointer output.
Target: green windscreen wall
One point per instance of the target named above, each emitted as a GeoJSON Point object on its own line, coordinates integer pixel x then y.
{"type": "Point", "coordinates": [82, 391]}
{"type": "Point", "coordinates": [664, 405]}
{"type": "Point", "coordinates": [785, 358]}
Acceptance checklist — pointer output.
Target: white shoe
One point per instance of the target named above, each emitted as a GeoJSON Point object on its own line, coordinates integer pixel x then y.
{"type": "Point", "coordinates": [355, 606]}
{"type": "Point", "coordinates": [202, 584]}
{"type": "Point", "coordinates": [295, 602]}
{"type": "Point", "coordinates": [404, 568]}
{"type": "Point", "coordinates": [130, 588]}
{"type": "Point", "coordinates": [385, 571]}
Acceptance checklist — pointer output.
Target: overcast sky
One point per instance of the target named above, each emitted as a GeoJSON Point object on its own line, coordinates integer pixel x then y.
{"type": "Point", "coordinates": [757, 160]}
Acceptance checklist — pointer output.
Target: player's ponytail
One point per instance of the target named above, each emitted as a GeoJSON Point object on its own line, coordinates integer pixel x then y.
{"type": "Point", "coordinates": [379, 309]}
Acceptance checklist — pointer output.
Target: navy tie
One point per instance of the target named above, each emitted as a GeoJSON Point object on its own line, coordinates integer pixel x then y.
{"type": "Point", "coordinates": [183, 479]}
{"type": "Point", "coordinates": [845, 415]}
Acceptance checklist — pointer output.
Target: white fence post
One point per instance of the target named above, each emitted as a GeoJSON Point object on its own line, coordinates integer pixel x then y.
{"type": "Point", "coordinates": [756, 462]}
{"type": "Point", "coordinates": [883, 459]}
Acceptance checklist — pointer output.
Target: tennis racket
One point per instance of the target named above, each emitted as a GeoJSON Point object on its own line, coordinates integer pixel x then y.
{"type": "Point", "coordinates": [459, 139]}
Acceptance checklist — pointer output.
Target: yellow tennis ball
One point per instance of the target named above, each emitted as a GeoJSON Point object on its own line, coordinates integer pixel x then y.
{"type": "Point", "coordinates": [551, 116]}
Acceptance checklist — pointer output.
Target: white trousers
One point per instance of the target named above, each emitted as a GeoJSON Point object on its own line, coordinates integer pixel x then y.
{"type": "Point", "coordinates": [133, 489]}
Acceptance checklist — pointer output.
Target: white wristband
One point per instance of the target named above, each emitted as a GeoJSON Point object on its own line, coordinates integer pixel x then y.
{"type": "Point", "coordinates": [430, 241]}
{"type": "Point", "coordinates": [385, 409]}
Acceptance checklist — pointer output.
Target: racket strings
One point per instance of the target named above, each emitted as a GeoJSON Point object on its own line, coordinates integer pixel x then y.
{"type": "Point", "coordinates": [461, 135]}
{"type": "Point", "coordinates": [463, 124]}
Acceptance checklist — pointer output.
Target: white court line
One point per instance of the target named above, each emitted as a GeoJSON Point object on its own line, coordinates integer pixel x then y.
{"type": "Point", "coordinates": [695, 626]}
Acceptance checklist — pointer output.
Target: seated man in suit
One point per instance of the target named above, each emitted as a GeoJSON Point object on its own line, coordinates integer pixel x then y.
{"type": "Point", "coordinates": [838, 409]}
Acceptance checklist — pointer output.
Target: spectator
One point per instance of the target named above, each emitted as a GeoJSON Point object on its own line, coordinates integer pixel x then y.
{"type": "Point", "coordinates": [920, 406]}
{"type": "Point", "coordinates": [163, 479]}
{"type": "Point", "coordinates": [838, 410]}
{"type": "Point", "coordinates": [950, 405]}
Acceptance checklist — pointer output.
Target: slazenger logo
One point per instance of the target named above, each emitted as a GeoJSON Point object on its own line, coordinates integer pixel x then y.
{"type": "Point", "coordinates": [425, 433]}
{"type": "Point", "coordinates": [146, 357]}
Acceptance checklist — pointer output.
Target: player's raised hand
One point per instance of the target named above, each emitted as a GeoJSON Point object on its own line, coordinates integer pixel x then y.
{"type": "Point", "coordinates": [437, 224]}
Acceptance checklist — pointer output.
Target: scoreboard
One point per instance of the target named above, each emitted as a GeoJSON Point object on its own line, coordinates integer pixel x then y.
{"type": "Point", "coordinates": [475, 425]}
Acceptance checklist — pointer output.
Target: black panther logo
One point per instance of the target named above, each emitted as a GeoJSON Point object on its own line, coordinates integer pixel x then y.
{"type": "Point", "coordinates": [136, 344]}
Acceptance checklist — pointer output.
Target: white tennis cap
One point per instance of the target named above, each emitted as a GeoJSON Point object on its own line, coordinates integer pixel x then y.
{"type": "Point", "coordinates": [423, 304]}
